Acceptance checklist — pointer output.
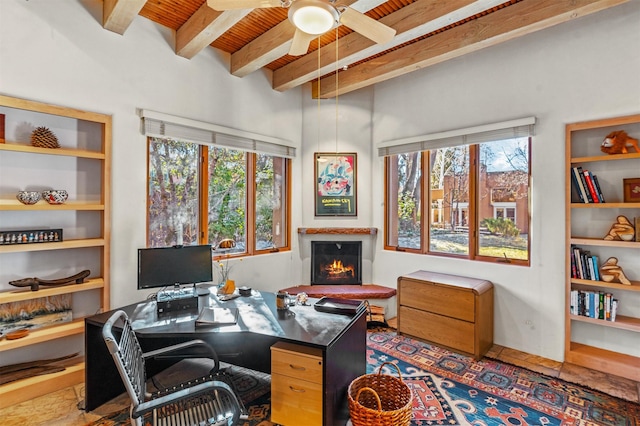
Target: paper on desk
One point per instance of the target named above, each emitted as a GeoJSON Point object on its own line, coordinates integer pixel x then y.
{"type": "Point", "coordinates": [217, 316]}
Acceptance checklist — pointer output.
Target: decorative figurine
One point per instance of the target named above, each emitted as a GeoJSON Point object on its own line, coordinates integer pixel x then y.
{"type": "Point", "coordinates": [610, 270]}
{"type": "Point", "coordinates": [622, 230]}
{"type": "Point", "coordinates": [618, 142]}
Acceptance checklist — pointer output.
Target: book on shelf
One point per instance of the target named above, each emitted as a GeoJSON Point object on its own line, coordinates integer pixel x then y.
{"type": "Point", "coordinates": [215, 316]}
{"type": "Point", "coordinates": [574, 269]}
{"type": "Point", "coordinates": [587, 193]}
{"type": "Point", "coordinates": [596, 272]}
{"type": "Point", "coordinates": [586, 185]}
{"type": "Point", "coordinates": [637, 229]}
{"type": "Point", "coordinates": [588, 177]}
{"type": "Point", "coordinates": [593, 304]}
{"type": "Point", "coordinates": [576, 176]}
{"type": "Point", "coordinates": [584, 265]}
{"type": "Point", "coordinates": [598, 190]}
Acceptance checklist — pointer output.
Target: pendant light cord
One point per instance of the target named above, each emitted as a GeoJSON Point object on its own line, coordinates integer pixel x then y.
{"type": "Point", "coordinates": [337, 89]}
{"type": "Point", "coordinates": [318, 96]}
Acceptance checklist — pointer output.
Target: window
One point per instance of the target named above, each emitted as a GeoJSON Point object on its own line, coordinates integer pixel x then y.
{"type": "Point", "coordinates": [202, 194]}
{"type": "Point", "coordinates": [474, 197]}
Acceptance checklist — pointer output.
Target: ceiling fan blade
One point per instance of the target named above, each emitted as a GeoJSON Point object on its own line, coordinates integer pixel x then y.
{"type": "Point", "coordinates": [368, 27]}
{"type": "Point", "coordinates": [242, 4]}
{"type": "Point", "coordinates": [300, 43]}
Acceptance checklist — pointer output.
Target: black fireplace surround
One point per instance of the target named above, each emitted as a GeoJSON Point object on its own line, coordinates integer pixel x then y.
{"type": "Point", "coordinates": [336, 262]}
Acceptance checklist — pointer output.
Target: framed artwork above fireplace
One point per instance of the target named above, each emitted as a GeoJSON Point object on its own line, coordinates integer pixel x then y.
{"type": "Point", "coordinates": [335, 180]}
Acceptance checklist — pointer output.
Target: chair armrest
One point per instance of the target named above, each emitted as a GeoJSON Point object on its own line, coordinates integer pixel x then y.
{"type": "Point", "coordinates": [175, 397]}
{"type": "Point", "coordinates": [179, 351]}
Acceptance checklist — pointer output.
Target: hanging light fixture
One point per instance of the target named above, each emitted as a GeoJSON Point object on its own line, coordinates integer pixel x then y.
{"type": "Point", "coordinates": [314, 17]}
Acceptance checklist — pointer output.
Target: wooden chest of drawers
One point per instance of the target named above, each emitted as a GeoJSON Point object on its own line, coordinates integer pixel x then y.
{"type": "Point", "coordinates": [448, 310]}
{"type": "Point", "coordinates": [296, 385]}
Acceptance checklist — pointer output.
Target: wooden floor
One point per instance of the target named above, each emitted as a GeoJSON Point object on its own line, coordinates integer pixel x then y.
{"type": "Point", "coordinates": [61, 408]}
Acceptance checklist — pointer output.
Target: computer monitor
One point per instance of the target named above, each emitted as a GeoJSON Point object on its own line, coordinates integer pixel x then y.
{"type": "Point", "coordinates": [177, 265]}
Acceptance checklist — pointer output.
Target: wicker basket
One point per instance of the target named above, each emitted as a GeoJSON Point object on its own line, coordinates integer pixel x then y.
{"type": "Point", "coordinates": [380, 400]}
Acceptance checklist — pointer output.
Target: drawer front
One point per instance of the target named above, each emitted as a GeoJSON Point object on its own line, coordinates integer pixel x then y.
{"type": "Point", "coordinates": [446, 331]}
{"type": "Point", "coordinates": [296, 365]}
{"type": "Point", "coordinates": [440, 299]}
{"type": "Point", "coordinates": [295, 402]}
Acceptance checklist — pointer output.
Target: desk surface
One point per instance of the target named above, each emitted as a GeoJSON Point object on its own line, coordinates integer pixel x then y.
{"type": "Point", "coordinates": [256, 314]}
{"type": "Point", "coordinates": [341, 338]}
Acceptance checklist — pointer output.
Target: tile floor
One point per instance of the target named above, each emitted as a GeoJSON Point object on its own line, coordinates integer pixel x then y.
{"type": "Point", "coordinates": [61, 408]}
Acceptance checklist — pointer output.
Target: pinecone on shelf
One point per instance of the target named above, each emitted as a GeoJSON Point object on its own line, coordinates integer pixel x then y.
{"type": "Point", "coordinates": [42, 137]}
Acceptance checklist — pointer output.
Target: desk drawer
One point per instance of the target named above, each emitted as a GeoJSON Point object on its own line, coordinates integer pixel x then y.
{"type": "Point", "coordinates": [297, 361]}
{"type": "Point", "coordinates": [444, 300]}
{"type": "Point", "coordinates": [450, 332]}
{"type": "Point", "coordinates": [295, 402]}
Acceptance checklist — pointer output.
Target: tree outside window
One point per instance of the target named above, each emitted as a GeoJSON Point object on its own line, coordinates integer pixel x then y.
{"type": "Point", "coordinates": [229, 194]}
{"type": "Point", "coordinates": [478, 201]}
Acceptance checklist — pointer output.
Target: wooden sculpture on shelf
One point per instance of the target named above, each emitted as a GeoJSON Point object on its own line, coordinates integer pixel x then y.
{"type": "Point", "coordinates": [621, 230]}
{"type": "Point", "coordinates": [619, 142]}
{"type": "Point", "coordinates": [35, 283]}
{"type": "Point", "coordinates": [610, 271]}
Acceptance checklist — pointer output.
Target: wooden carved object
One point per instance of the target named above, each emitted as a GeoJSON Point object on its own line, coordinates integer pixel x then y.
{"type": "Point", "coordinates": [610, 271]}
{"type": "Point", "coordinates": [621, 230]}
{"type": "Point", "coordinates": [35, 283]}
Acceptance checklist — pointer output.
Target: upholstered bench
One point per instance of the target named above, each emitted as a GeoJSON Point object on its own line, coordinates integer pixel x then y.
{"type": "Point", "coordinates": [365, 291]}
{"type": "Point", "coordinates": [381, 296]}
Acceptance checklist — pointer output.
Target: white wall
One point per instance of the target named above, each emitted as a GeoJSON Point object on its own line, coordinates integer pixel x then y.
{"type": "Point", "coordinates": [56, 51]}
{"type": "Point", "coordinates": [581, 70]}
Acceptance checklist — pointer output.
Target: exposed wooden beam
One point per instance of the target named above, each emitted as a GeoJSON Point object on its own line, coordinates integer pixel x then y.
{"type": "Point", "coordinates": [117, 15]}
{"type": "Point", "coordinates": [203, 27]}
{"type": "Point", "coordinates": [275, 43]}
{"type": "Point", "coordinates": [505, 24]}
{"type": "Point", "coordinates": [265, 49]}
{"type": "Point", "coordinates": [414, 20]}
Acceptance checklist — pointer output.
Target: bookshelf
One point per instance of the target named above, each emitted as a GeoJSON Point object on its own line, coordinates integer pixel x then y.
{"type": "Point", "coordinates": [612, 347]}
{"type": "Point", "coordinates": [82, 165]}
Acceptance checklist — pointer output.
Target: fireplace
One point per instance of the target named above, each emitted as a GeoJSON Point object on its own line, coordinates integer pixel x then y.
{"type": "Point", "coordinates": [336, 262]}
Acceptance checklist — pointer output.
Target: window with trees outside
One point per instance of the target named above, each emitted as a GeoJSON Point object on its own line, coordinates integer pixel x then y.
{"type": "Point", "coordinates": [470, 201]}
{"type": "Point", "coordinates": [203, 194]}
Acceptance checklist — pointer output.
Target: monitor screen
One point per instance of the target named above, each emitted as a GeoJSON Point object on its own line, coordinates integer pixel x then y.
{"type": "Point", "coordinates": [167, 266]}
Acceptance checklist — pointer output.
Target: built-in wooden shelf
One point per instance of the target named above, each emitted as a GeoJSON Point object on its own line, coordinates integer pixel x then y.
{"type": "Point", "coordinates": [339, 231]}
{"type": "Point", "coordinates": [14, 204]}
{"type": "Point", "coordinates": [69, 244]}
{"type": "Point", "coordinates": [14, 392]}
{"type": "Point", "coordinates": [45, 334]}
{"type": "Point", "coordinates": [25, 293]}
{"type": "Point", "coordinates": [81, 153]}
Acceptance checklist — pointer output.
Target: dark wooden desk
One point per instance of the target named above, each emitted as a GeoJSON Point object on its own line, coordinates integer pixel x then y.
{"type": "Point", "coordinates": [341, 338]}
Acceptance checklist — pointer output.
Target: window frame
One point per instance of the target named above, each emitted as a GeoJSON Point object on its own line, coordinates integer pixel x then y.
{"type": "Point", "coordinates": [250, 201]}
{"type": "Point", "coordinates": [390, 188]}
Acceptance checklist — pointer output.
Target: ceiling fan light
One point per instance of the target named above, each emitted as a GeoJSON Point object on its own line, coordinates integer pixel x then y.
{"type": "Point", "coordinates": [313, 17]}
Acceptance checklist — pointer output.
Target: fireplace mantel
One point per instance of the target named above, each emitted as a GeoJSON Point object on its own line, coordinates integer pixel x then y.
{"type": "Point", "coordinates": [340, 231]}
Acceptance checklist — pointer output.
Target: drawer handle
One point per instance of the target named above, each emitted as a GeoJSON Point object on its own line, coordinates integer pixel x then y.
{"type": "Point", "coordinates": [296, 389]}
{"type": "Point", "coordinates": [295, 367]}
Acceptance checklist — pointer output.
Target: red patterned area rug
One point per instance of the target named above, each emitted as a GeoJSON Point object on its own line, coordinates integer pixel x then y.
{"type": "Point", "coordinates": [455, 390]}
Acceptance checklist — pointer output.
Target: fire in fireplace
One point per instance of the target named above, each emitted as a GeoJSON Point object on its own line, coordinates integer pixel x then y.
{"type": "Point", "coordinates": [336, 262]}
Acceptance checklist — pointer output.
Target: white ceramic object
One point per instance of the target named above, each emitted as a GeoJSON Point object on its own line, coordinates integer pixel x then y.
{"type": "Point", "coordinates": [28, 197]}
{"type": "Point", "coordinates": [55, 196]}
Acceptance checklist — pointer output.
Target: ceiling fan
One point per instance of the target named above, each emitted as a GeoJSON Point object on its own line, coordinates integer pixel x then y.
{"type": "Point", "coordinates": [313, 18]}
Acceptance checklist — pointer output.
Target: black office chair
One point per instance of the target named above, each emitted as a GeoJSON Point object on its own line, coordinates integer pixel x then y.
{"type": "Point", "coordinates": [204, 401]}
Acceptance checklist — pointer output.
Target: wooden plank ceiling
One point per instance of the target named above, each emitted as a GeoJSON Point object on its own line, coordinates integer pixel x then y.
{"type": "Point", "coordinates": [427, 32]}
